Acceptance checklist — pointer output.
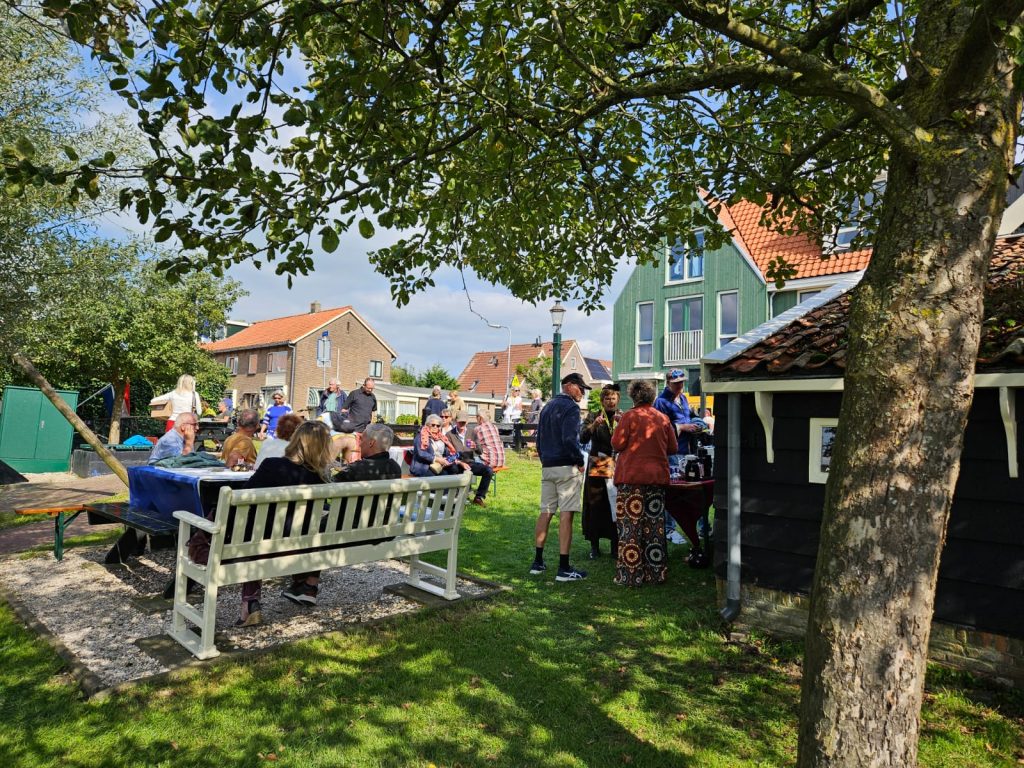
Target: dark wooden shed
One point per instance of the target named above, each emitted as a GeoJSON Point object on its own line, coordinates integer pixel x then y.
{"type": "Point", "coordinates": [788, 378]}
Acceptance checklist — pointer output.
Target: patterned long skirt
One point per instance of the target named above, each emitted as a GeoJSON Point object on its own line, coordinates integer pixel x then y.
{"type": "Point", "coordinates": [641, 520]}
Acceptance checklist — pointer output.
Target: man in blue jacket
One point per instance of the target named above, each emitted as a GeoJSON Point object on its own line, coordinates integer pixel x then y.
{"type": "Point", "coordinates": [673, 403]}
{"type": "Point", "coordinates": [561, 483]}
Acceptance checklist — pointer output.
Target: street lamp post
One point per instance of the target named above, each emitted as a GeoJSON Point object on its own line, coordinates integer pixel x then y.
{"type": "Point", "coordinates": [557, 314]}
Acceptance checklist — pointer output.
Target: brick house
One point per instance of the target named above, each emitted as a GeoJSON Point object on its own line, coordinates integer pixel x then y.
{"type": "Point", "coordinates": [281, 353]}
{"type": "Point", "coordinates": [489, 374]}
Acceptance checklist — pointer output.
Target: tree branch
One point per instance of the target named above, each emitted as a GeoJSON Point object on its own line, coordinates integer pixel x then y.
{"type": "Point", "coordinates": [833, 24]}
{"type": "Point", "coordinates": [811, 76]}
{"type": "Point", "coordinates": [980, 43]}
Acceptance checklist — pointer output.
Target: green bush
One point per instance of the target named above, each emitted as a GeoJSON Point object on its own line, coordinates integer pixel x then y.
{"type": "Point", "coordinates": [407, 418]}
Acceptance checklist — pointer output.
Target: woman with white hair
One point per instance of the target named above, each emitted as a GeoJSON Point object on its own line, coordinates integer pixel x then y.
{"type": "Point", "coordinates": [183, 399]}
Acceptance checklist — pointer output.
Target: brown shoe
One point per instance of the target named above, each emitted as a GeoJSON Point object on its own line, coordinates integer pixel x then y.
{"type": "Point", "coordinates": [479, 502]}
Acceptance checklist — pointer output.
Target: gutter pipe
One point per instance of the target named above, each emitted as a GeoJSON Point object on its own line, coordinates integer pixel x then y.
{"type": "Point", "coordinates": [732, 601]}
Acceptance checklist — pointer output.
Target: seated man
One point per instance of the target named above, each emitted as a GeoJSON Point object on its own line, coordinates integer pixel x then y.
{"type": "Point", "coordinates": [488, 443]}
{"type": "Point", "coordinates": [179, 441]}
{"type": "Point", "coordinates": [356, 413]}
{"type": "Point", "coordinates": [376, 465]}
{"type": "Point", "coordinates": [239, 448]}
{"type": "Point", "coordinates": [465, 446]}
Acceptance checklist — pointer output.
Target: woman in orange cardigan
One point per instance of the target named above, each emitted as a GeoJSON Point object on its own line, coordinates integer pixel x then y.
{"type": "Point", "coordinates": [643, 439]}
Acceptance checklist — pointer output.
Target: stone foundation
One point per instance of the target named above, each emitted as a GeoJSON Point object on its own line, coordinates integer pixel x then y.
{"type": "Point", "coordinates": [784, 615]}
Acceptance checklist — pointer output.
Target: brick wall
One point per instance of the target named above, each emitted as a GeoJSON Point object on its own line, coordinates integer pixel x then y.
{"type": "Point", "coordinates": [784, 615]}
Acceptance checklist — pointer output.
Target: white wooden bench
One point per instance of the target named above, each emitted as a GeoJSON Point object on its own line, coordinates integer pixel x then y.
{"type": "Point", "coordinates": [331, 526]}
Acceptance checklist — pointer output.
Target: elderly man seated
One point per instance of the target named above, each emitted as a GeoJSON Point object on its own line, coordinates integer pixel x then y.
{"type": "Point", "coordinates": [465, 447]}
{"type": "Point", "coordinates": [179, 441]}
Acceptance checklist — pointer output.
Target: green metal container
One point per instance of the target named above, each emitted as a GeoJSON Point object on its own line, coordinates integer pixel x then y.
{"type": "Point", "coordinates": [34, 436]}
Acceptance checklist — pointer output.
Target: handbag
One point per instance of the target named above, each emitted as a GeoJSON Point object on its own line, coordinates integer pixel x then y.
{"type": "Point", "coordinates": [436, 466]}
{"type": "Point", "coordinates": [601, 466]}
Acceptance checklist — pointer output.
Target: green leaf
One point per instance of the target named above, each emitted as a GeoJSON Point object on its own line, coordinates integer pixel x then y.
{"type": "Point", "coordinates": [14, 189]}
{"type": "Point", "coordinates": [71, 154]}
{"type": "Point", "coordinates": [329, 239]}
{"type": "Point", "coordinates": [24, 148]}
{"type": "Point", "coordinates": [118, 83]}
{"type": "Point", "coordinates": [366, 228]}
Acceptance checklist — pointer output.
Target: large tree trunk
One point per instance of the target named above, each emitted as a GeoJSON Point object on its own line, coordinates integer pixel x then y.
{"type": "Point", "coordinates": [114, 433]}
{"type": "Point", "coordinates": [90, 437]}
{"type": "Point", "coordinates": [914, 331]}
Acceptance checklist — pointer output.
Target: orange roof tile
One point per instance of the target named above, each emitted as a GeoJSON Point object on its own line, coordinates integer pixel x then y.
{"type": "Point", "coordinates": [278, 330]}
{"type": "Point", "coordinates": [488, 369]}
{"type": "Point", "coordinates": [743, 221]}
{"type": "Point", "coordinates": [816, 343]}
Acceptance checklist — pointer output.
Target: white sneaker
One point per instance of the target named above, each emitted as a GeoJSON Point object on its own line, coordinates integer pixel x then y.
{"type": "Point", "coordinates": [677, 538]}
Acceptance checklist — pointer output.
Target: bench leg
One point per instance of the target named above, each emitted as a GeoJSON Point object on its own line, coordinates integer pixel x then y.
{"type": "Point", "coordinates": [447, 575]}
{"type": "Point", "coordinates": [60, 524]}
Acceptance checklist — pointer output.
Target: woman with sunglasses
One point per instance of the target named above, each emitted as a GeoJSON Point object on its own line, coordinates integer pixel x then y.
{"type": "Point", "coordinates": [434, 453]}
{"type": "Point", "coordinates": [274, 412]}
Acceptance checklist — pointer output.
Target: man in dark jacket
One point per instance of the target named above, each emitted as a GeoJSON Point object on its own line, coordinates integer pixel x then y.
{"type": "Point", "coordinates": [331, 399]}
{"type": "Point", "coordinates": [376, 464]}
{"type": "Point", "coordinates": [561, 460]}
{"type": "Point", "coordinates": [356, 413]}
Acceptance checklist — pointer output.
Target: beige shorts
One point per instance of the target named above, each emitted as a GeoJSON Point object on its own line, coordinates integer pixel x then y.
{"type": "Point", "coordinates": [560, 489]}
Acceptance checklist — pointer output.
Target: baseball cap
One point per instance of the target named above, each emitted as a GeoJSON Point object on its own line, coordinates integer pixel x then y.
{"type": "Point", "coordinates": [676, 374]}
{"type": "Point", "coordinates": [575, 378]}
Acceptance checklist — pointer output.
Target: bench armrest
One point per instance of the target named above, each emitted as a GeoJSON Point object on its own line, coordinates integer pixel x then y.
{"type": "Point", "coordinates": [196, 521]}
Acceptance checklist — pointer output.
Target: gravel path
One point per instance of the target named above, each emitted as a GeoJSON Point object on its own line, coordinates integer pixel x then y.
{"type": "Point", "coordinates": [102, 613]}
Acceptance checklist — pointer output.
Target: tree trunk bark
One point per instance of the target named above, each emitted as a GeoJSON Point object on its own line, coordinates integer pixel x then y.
{"type": "Point", "coordinates": [914, 333]}
{"type": "Point", "coordinates": [114, 433]}
{"type": "Point", "coordinates": [90, 437]}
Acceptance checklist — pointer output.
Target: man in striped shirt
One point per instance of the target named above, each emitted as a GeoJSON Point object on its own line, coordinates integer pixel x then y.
{"type": "Point", "coordinates": [488, 442]}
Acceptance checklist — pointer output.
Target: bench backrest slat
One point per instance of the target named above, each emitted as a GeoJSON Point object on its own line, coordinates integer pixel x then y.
{"type": "Point", "coordinates": [259, 522]}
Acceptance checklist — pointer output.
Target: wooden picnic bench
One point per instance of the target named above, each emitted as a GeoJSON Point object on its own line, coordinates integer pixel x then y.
{"type": "Point", "coordinates": [99, 514]}
{"type": "Point", "coordinates": [271, 532]}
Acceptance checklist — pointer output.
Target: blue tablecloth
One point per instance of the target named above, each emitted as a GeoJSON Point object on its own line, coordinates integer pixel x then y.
{"type": "Point", "coordinates": [164, 491]}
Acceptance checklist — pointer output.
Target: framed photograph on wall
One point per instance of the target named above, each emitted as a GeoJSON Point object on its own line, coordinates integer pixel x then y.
{"type": "Point", "coordinates": [819, 455]}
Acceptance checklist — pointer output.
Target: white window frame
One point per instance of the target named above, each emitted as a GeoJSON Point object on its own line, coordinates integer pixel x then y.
{"type": "Point", "coordinates": [807, 293]}
{"type": "Point", "coordinates": [254, 364]}
{"type": "Point", "coordinates": [687, 277]}
{"type": "Point", "coordinates": [636, 336]}
{"type": "Point", "coordinates": [816, 445]}
{"type": "Point", "coordinates": [718, 316]}
{"type": "Point", "coordinates": [572, 362]}
{"type": "Point", "coordinates": [270, 362]}
{"type": "Point", "coordinates": [376, 369]}
{"type": "Point", "coordinates": [676, 299]}
{"type": "Point", "coordinates": [231, 363]}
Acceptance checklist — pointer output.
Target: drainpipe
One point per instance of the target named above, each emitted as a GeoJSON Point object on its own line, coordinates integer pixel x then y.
{"type": "Point", "coordinates": [291, 383]}
{"type": "Point", "coordinates": [732, 599]}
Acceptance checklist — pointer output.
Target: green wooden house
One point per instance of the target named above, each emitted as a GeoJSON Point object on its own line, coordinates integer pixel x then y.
{"type": "Point", "coordinates": [695, 300]}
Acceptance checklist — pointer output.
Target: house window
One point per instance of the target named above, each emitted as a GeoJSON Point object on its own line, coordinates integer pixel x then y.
{"type": "Point", "coordinates": [685, 314]}
{"type": "Point", "coordinates": [645, 333]}
{"type": "Point", "coordinates": [232, 365]}
{"type": "Point", "coordinates": [801, 295]}
{"type": "Point", "coordinates": [822, 438]}
{"type": "Point", "coordinates": [844, 236]}
{"type": "Point", "coordinates": [728, 316]}
{"type": "Point", "coordinates": [254, 363]}
{"type": "Point", "coordinates": [376, 369]}
{"type": "Point", "coordinates": [277, 362]}
{"type": "Point", "coordinates": [686, 261]}
{"type": "Point", "coordinates": [572, 363]}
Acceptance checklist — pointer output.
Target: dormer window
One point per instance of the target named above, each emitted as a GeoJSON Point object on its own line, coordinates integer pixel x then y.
{"type": "Point", "coordinates": [494, 361]}
{"type": "Point", "coordinates": [474, 385]}
{"type": "Point", "coordinates": [852, 229]}
{"type": "Point", "coordinates": [686, 260]}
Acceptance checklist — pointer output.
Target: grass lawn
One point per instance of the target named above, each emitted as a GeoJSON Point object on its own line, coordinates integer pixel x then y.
{"type": "Point", "coordinates": [583, 674]}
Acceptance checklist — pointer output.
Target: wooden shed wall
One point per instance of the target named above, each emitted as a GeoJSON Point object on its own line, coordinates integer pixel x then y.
{"type": "Point", "coordinates": [981, 574]}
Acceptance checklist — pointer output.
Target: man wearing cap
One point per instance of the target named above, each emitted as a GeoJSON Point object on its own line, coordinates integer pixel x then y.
{"type": "Point", "coordinates": [561, 479]}
{"type": "Point", "coordinates": [673, 403]}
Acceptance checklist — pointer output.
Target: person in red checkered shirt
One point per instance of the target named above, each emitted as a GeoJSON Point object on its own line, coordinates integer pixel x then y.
{"type": "Point", "coordinates": [488, 443]}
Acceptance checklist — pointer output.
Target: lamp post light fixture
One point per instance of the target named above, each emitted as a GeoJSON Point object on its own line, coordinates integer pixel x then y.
{"type": "Point", "coordinates": [557, 315]}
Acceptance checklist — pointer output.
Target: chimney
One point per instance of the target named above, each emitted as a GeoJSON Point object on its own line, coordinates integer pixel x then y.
{"type": "Point", "coordinates": [314, 307]}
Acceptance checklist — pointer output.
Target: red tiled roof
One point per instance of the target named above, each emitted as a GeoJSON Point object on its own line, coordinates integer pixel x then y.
{"type": "Point", "coordinates": [488, 369]}
{"type": "Point", "coordinates": [802, 252]}
{"type": "Point", "coordinates": [278, 330]}
{"type": "Point", "coordinates": [816, 343]}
